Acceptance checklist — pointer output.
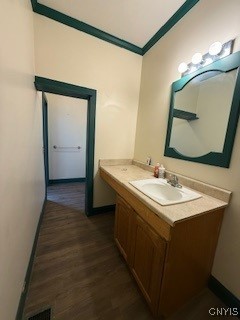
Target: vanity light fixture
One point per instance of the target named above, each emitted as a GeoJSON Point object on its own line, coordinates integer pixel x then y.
{"type": "Point", "coordinates": [208, 61]}
{"type": "Point", "coordinates": [215, 48]}
{"type": "Point", "coordinates": [182, 67]}
{"type": "Point", "coordinates": [192, 69]}
{"type": "Point", "coordinates": [217, 51]}
{"type": "Point", "coordinates": [226, 51]}
{"type": "Point", "coordinates": [197, 58]}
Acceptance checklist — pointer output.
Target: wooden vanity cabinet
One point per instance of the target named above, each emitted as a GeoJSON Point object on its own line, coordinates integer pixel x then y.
{"type": "Point", "coordinates": [143, 250]}
{"type": "Point", "coordinates": [147, 260]}
{"type": "Point", "coordinates": [170, 267]}
{"type": "Point", "coordinates": [122, 231]}
{"type": "Point", "coordinates": [170, 262]}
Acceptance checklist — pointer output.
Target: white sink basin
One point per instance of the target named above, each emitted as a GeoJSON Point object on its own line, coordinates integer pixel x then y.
{"type": "Point", "coordinates": [162, 192]}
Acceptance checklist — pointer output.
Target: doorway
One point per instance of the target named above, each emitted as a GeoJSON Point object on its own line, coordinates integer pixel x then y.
{"type": "Point", "coordinates": [67, 124]}
{"type": "Point", "coordinates": [65, 89]}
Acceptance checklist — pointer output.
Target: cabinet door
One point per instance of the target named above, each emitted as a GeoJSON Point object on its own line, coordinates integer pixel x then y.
{"type": "Point", "coordinates": [147, 260]}
{"type": "Point", "coordinates": [123, 217]}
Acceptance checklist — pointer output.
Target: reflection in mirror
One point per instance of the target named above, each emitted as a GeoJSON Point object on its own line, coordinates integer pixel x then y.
{"type": "Point", "coordinates": [201, 113]}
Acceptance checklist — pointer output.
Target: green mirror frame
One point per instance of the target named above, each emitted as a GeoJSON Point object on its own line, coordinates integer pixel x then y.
{"type": "Point", "coordinates": [226, 64]}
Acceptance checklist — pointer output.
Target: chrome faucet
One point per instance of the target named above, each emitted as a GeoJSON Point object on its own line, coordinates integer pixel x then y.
{"type": "Point", "coordinates": [173, 181]}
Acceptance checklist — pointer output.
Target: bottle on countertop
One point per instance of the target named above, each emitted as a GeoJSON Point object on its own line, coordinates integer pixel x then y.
{"type": "Point", "coordinates": [161, 172]}
{"type": "Point", "coordinates": [156, 170]}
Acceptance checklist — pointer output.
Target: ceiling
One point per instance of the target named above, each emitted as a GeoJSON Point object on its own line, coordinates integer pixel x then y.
{"type": "Point", "coordinates": [135, 21]}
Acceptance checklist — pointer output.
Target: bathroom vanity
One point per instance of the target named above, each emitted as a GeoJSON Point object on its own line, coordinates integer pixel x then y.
{"type": "Point", "coordinates": [168, 249]}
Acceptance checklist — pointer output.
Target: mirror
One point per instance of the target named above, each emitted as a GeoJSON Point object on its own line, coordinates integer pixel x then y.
{"type": "Point", "coordinates": [201, 113]}
{"type": "Point", "coordinates": [204, 113]}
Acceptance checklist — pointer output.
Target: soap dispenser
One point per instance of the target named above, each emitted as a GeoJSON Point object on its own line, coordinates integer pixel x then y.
{"type": "Point", "coordinates": [161, 171]}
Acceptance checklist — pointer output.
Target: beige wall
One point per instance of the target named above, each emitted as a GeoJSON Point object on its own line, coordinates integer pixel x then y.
{"type": "Point", "coordinates": [21, 160]}
{"type": "Point", "coordinates": [65, 54]}
{"type": "Point", "coordinates": [208, 21]}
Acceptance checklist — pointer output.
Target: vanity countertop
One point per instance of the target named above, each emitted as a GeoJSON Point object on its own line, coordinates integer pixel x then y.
{"type": "Point", "coordinates": [129, 171]}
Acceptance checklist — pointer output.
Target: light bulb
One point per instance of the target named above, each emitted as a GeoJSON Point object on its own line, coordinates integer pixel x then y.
{"type": "Point", "coordinates": [197, 58]}
{"type": "Point", "coordinates": [182, 67]}
{"type": "Point", "coordinates": [215, 48]}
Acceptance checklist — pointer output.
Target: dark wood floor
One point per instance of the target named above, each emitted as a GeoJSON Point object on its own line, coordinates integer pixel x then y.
{"type": "Point", "coordinates": [79, 272]}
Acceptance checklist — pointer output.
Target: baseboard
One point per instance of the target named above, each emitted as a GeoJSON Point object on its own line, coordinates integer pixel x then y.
{"type": "Point", "coordinates": [104, 209]}
{"type": "Point", "coordinates": [19, 315]}
{"type": "Point", "coordinates": [55, 181]}
{"type": "Point", "coordinates": [224, 294]}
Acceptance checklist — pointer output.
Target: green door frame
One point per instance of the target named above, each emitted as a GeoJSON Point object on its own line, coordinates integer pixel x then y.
{"type": "Point", "coordinates": [45, 140]}
{"type": "Point", "coordinates": [70, 90]}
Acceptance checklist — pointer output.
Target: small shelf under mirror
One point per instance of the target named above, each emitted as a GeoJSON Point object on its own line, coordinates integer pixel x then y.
{"type": "Point", "coordinates": [185, 115]}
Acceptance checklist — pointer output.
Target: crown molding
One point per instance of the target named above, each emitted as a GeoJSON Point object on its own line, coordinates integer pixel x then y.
{"type": "Point", "coordinates": [84, 27]}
